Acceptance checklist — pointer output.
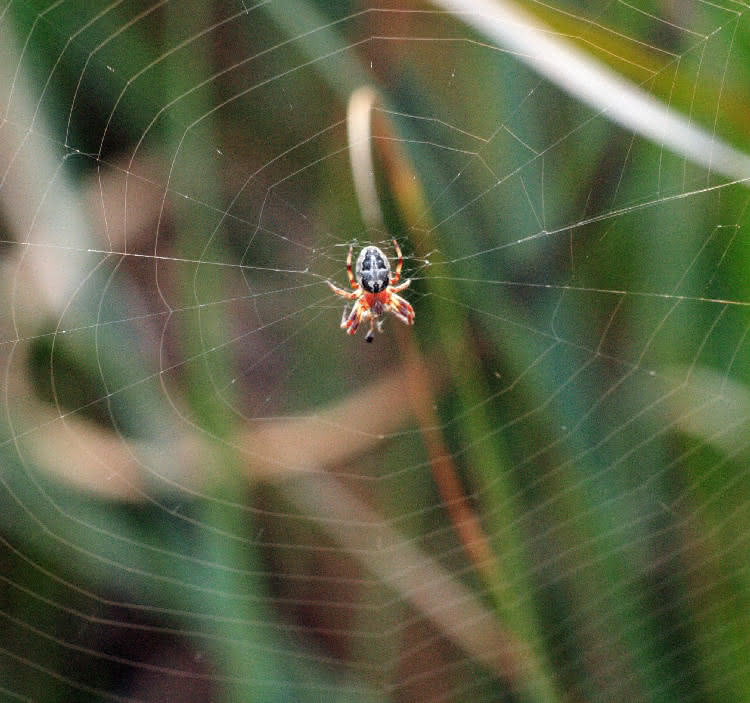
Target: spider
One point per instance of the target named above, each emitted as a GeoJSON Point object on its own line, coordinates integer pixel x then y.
{"type": "Point", "coordinates": [374, 291]}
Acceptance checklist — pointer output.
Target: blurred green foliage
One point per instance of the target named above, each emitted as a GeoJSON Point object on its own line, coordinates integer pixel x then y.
{"type": "Point", "coordinates": [569, 277]}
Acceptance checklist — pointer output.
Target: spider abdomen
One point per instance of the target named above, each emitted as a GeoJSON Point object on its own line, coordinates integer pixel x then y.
{"type": "Point", "coordinates": [372, 270]}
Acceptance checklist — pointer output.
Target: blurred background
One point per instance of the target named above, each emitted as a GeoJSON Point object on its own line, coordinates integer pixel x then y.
{"type": "Point", "coordinates": [539, 492]}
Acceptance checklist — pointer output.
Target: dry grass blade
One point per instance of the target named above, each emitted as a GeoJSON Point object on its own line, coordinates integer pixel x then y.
{"type": "Point", "coordinates": [371, 128]}
{"type": "Point", "coordinates": [277, 450]}
{"type": "Point", "coordinates": [361, 108]}
{"type": "Point", "coordinates": [333, 435]}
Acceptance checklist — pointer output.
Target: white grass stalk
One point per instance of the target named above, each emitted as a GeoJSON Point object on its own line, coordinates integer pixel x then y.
{"type": "Point", "coordinates": [595, 84]}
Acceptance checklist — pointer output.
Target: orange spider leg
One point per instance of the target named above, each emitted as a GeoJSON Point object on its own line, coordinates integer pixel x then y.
{"type": "Point", "coordinates": [360, 312]}
{"type": "Point", "coordinates": [349, 295]}
{"type": "Point", "coordinates": [349, 273]}
{"type": "Point", "coordinates": [348, 317]}
{"type": "Point", "coordinates": [399, 265]}
{"type": "Point", "coordinates": [401, 309]}
{"type": "Point", "coordinates": [401, 286]}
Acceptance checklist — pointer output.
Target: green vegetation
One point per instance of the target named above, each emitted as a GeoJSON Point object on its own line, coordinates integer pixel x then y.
{"type": "Point", "coordinates": [577, 381]}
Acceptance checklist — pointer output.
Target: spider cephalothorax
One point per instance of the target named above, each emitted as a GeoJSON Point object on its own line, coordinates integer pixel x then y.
{"type": "Point", "coordinates": [374, 290]}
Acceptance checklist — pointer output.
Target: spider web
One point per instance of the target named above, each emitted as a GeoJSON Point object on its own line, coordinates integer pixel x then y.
{"type": "Point", "coordinates": [210, 492]}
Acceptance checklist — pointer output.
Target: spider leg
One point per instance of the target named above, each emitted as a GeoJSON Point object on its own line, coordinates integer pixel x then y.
{"type": "Point", "coordinates": [349, 295]}
{"type": "Point", "coordinates": [344, 317]}
{"type": "Point", "coordinates": [352, 322]}
{"type": "Point", "coordinates": [349, 273]}
{"type": "Point", "coordinates": [348, 316]}
{"type": "Point", "coordinates": [356, 320]}
{"type": "Point", "coordinates": [401, 309]}
{"type": "Point", "coordinates": [371, 332]}
{"type": "Point", "coordinates": [399, 265]}
{"type": "Point", "coordinates": [401, 317]}
{"type": "Point", "coordinates": [401, 286]}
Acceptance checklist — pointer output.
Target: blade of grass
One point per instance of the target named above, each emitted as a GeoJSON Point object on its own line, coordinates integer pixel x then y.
{"type": "Point", "coordinates": [484, 458]}
{"type": "Point", "coordinates": [579, 74]}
